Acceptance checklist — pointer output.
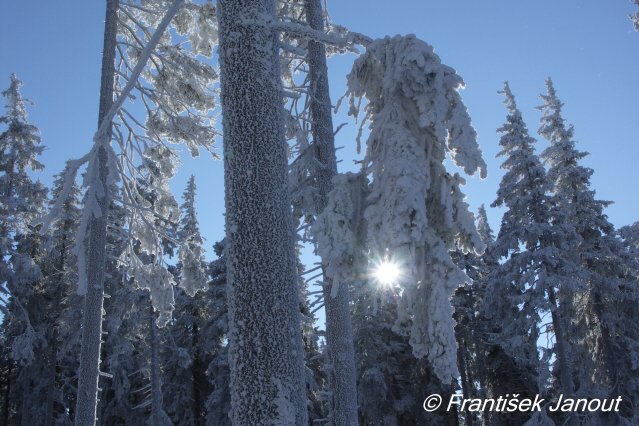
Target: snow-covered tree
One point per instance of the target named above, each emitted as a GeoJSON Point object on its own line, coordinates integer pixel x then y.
{"type": "Point", "coordinates": [338, 236]}
{"type": "Point", "coordinates": [21, 249]}
{"type": "Point", "coordinates": [605, 306]}
{"type": "Point", "coordinates": [189, 348]}
{"type": "Point", "coordinates": [635, 17]}
{"type": "Point", "coordinates": [21, 198]}
{"type": "Point", "coordinates": [472, 326]}
{"type": "Point", "coordinates": [59, 284]}
{"type": "Point", "coordinates": [124, 334]}
{"type": "Point", "coordinates": [97, 199]}
{"type": "Point", "coordinates": [190, 251]}
{"type": "Point", "coordinates": [265, 352]}
{"type": "Point", "coordinates": [630, 237]}
{"type": "Point", "coordinates": [218, 404]}
{"type": "Point", "coordinates": [391, 382]}
{"type": "Point", "coordinates": [514, 294]}
{"type": "Point", "coordinates": [416, 210]}
{"type": "Point", "coordinates": [339, 332]}
{"type": "Point", "coordinates": [170, 117]}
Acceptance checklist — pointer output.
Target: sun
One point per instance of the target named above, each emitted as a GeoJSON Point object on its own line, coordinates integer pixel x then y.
{"type": "Point", "coordinates": [387, 272]}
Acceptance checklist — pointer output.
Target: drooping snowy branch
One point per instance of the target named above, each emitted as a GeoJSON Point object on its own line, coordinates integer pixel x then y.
{"type": "Point", "coordinates": [417, 212]}
{"type": "Point", "coordinates": [335, 230]}
{"type": "Point", "coordinates": [176, 85]}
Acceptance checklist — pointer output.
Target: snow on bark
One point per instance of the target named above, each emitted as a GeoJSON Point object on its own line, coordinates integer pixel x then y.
{"type": "Point", "coordinates": [89, 371]}
{"type": "Point", "coordinates": [338, 240]}
{"type": "Point", "coordinates": [339, 328]}
{"type": "Point", "coordinates": [265, 353]}
{"type": "Point", "coordinates": [417, 212]}
{"type": "Point", "coordinates": [158, 415]}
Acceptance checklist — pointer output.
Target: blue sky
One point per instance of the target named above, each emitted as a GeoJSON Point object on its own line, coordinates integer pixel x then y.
{"type": "Point", "coordinates": [587, 46]}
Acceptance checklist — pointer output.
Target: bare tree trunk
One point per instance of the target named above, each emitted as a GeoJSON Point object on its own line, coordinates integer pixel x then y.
{"type": "Point", "coordinates": [89, 371]}
{"type": "Point", "coordinates": [339, 328]}
{"type": "Point", "coordinates": [265, 352]}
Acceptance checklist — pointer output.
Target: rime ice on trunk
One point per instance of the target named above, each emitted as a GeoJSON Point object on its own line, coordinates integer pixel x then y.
{"type": "Point", "coordinates": [339, 329]}
{"type": "Point", "coordinates": [89, 373]}
{"type": "Point", "coordinates": [266, 355]}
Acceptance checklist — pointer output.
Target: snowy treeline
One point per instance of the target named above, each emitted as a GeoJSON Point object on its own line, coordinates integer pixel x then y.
{"type": "Point", "coordinates": [112, 314]}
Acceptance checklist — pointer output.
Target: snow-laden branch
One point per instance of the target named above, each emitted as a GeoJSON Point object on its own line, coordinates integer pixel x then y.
{"type": "Point", "coordinates": [139, 66]}
{"type": "Point", "coordinates": [101, 136]}
{"type": "Point", "coordinates": [416, 212]}
{"type": "Point", "coordinates": [346, 41]}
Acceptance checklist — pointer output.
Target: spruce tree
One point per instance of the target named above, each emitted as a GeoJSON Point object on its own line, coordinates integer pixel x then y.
{"type": "Point", "coordinates": [21, 250]}
{"type": "Point", "coordinates": [608, 300]}
{"type": "Point", "coordinates": [514, 297]}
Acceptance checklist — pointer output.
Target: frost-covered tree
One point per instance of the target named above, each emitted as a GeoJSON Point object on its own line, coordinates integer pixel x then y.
{"type": "Point", "coordinates": [265, 352]}
{"type": "Point", "coordinates": [21, 198]}
{"type": "Point", "coordinates": [514, 295]}
{"type": "Point", "coordinates": [218, 404]}
{"type": "Point", "coordinates": [123, 328]}
{"type": "Point", "coordinates": [98, 200]}
{"type": "Point", "coordinates": [630, 237]}
{"type": "Point", "coordinates": [190, 252]}
{"type": "Point", "coordinates": [607, 304]}
{"type": "Point", "coordinates": [21, 250]}
{"type": "Point", "coordinates": [415, 211]}
{"type": "Point", "coordinates": [635, 17]}
{"type": "Point", "coordinates": [338, 233]}
{"type": "Point", "coordinates": [391, 382]}
{"type": "Point", "coordinates": [61, 313]}
{"type": "Point", "coordinates": [188, 350]}
{"type": "Point", "coordinates": [472, 326]}
{"type": "Point", "coordinates": [169, 117]}
{"type": "Point", "coordinates": [339, 332]}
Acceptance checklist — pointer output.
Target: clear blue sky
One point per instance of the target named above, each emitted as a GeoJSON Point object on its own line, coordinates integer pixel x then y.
{"type": "Point", "coordinates": [587, 46]}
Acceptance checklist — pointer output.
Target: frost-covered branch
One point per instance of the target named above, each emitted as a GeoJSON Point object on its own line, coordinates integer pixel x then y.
{"type": "Point", "coordinates": [417, 213]}
{"type": "Point", "coordinates": [344, 41]}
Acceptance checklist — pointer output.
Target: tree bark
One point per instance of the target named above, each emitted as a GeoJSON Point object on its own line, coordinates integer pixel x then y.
{"type": "Point", "coordinates": [53, 350]}
{"type": "Point", "coordinates": [563, 353]}
{"type": "Point", "coordinates": [157, 414]}
{"type": "Point", "coordinates": [339, 328]}
{"type": "Point", "coordinates": [265, 344]}
{"type": "Point", "coordinates": [89, 371]}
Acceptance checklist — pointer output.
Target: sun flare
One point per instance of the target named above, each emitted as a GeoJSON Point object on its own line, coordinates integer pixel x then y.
{"type": "Point", "coordinates": [387, 272]}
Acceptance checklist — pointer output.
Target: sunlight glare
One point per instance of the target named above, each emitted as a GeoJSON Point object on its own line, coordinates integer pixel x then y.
{"type": "Point", "coordinates": [387, 272]}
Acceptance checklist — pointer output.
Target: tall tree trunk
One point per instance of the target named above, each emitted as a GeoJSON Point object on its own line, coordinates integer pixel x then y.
{"type": "Point", "coordinates": [53, 349]}
{"type": "Point", "coordinates": [563, 350]}
{"type": "Point", "coordinates": [196, 371]}
{"type": "Point", "coordinates": [158, 417]}
{"type": "Point", "coordinates": [89, 371]}
{"type": "Point", "coordinates": [265, 352]}
{"type": "Point", "coordinates": [339, 328]}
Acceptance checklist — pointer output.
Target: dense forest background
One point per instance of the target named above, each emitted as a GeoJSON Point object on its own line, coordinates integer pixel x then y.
{"type": "Point", "coordinates": [114, 313]}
